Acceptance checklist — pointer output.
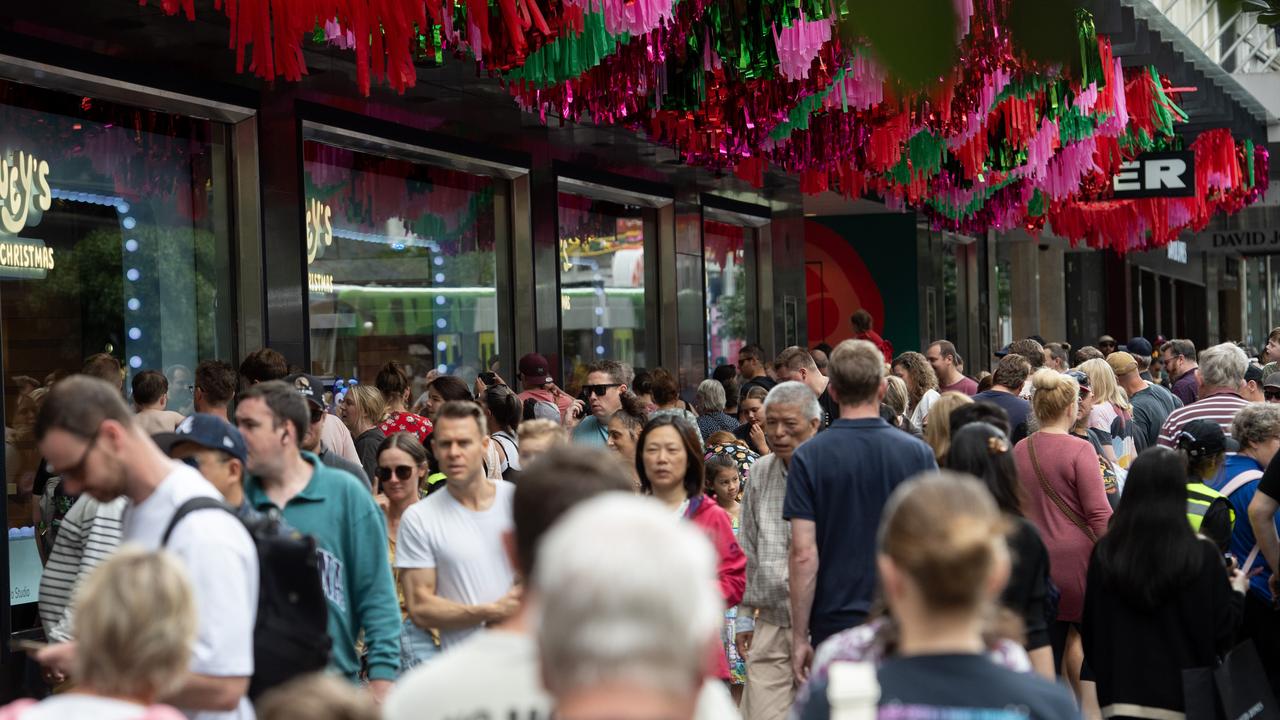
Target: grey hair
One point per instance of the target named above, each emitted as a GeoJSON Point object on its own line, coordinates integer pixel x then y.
{"type": "Point", "coordinates": [1255, 424]}
{"type": "Point", "coordinates": [644, 618]}
{"type": "Point", "coordinates": [1223, 366]}
{"type": "Point", "coordinates": [796, 394]}
{"type": "Point", "coordinates": [711, 396]}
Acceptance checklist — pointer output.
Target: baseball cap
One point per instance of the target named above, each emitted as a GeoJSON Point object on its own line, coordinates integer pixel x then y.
{"type": "Point", "coordinates": [1202, 438]}
{"type": "Point", "coordinates": [1253, 373]}
{"type": "Point", "coordinates": [308, 386]}
{"type": "Point", "coordinates": [1106, 340]}
{"type": "Point", "coordinates": [1002, 352]}
{"type": "Point", "coordinates": [1272, 381]}
{"type": "Point", "coordinates": [534, 368]}
{"type": "Point", "coordinates": [1081, 379]}
{"type": "Point", "coordinates": [207, 431]}
{"type": "Point", "coordinates": [1139, 346]}
{"type": "Point", "coordinates": [1122, 363]}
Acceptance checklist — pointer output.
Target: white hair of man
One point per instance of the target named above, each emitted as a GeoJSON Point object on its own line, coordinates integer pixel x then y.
{"type": "Point", "coordinates": [795, 394]}
{"type": "Point", "coordinates": [1223, 366]}
{"type": "Point", "coordinates": [711, 396]}
{"type": "Point", "coordinates": [644, 614]}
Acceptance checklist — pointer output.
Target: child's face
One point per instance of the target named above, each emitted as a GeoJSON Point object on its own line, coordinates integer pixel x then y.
{"type": "Point", "coordinates": [726, 485]}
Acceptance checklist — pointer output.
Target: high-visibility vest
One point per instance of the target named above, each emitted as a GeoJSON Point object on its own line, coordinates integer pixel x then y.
{"type": "Point", "coordinates": [1199, 498]}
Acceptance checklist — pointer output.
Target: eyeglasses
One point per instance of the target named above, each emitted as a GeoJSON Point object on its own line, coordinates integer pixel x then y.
{"type": "Point", "coordinates": [402, 473]}
{"type": "Point", "coordinates": [76, 472]}
{"type": "Point", "coordinates": [599, 390]}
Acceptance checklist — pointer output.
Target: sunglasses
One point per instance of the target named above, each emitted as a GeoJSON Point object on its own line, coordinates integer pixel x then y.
{"type": "Point", "coordinates": [599, 390]}
{"type": "Point", "coordinates": [402, 473]}
{"type": "Point", "coordinates": [317, 413]}
{"type": "Point", "coordinates": [1272, 394]}
{"type": "Point", "coordinates": [1106, 344]}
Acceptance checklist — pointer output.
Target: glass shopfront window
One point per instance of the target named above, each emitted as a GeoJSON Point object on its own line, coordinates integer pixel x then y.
{"type": "Point", "coordinates": [726, 253]}
{"type": "Point", "coordinates": [401, 264]}
{"type": "Point", "coordinates": [602, 283]}
{"type": "Point", "coordinates": [113, 239]}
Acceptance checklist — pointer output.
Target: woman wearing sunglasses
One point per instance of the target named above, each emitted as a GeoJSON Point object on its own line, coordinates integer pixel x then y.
{"type": "Point", "coordinates": [401, 474]}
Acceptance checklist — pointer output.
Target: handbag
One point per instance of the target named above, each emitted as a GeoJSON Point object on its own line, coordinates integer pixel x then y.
{"type": "Point", "coordinates": [1056, 498]}
{"type": "Point", "coordinates": [1235, 690]}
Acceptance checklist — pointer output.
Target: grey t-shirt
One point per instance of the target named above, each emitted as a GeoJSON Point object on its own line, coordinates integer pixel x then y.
{"type": "Point", "coordinates": [1151, 407]}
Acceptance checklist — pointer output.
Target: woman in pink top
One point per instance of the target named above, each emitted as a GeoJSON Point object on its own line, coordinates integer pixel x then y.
{"type": "Point", "coordinates": [1065, 499]}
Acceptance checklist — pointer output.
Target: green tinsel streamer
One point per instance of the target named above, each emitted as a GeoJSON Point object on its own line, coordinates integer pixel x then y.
{"type": "Point", "coordinates": [924, 156]}
{"type": "Point", "coordinates": [1022, 88]}
{"type": "Point", "coordinates": [1248, 159]}
{"type": "Point", "coordinates": [1090, 59]}
{"type": "Point", "coordinates": [569, 56]}
{"type": "Point", "coordinates": [958, 213]}
{"type": "Point", "coordinates": [1036, 208]}
{"type": "Point", "coordinates": [798, 118]}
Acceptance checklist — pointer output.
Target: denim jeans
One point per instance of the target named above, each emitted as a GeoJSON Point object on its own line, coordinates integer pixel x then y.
{"type": "Point", "coordinates": [416, 646]}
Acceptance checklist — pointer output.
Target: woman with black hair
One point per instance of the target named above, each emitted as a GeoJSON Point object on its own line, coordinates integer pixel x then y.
{"type": "Point", "coordinates": [982, 450]}
{"type": "Point", "coordinates": [1158, 599]}
{"type": "Point", "coordinates": [669, 463]}
{"type": "Point", "coordinates": [503, 411]}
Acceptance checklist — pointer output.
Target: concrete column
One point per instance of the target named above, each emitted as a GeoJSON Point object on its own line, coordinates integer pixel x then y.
{"type": "Point", "coordinates": [1053, 293]}
{"type": "Point", "coordinates": [1024, 284]}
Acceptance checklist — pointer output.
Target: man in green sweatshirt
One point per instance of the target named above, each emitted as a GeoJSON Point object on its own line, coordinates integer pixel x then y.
{"type": "Point", "coordinates": [339, 512]}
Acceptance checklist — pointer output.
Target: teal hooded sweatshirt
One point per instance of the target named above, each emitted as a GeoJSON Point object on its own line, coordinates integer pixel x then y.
{"type": "Point", "coordinates": [351, 533]}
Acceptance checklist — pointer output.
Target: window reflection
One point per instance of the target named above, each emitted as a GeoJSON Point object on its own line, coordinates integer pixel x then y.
{"type": "Point", "coordinates": [725, 248]}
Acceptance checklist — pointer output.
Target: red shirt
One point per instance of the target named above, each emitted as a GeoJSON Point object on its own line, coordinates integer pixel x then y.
{"type": "Point", "coordinates": [732, 563]}
{"type": "Point", "coordinates": [406, 422]}
{"type": "Point", "coordinates": [874, 338]}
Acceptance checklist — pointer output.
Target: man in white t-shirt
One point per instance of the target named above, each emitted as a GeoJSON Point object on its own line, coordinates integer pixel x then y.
{"type": "Point", "coordinates": [496, 672]}
{"type": "Point", "coordinates": [90, 438]}
{"type": "Point", "coordinates": [453, 567]}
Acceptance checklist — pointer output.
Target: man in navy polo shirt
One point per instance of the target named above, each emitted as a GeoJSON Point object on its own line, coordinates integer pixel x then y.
{"type": "Point", "coordinates": [837, 486]}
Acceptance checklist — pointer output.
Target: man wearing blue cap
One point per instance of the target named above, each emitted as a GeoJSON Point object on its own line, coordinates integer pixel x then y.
{"type": "Point", "coordinates": [215, 448]}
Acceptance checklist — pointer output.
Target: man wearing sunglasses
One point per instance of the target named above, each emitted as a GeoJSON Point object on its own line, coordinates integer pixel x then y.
{"type": "Point", "coordinates": [340, 512]}
{"type": "Point", "coordinates": [311, 390]}
{"type": "Point", "coordinates": [92, 440]}
{"type": "Point", "coordinates": [606, 381]}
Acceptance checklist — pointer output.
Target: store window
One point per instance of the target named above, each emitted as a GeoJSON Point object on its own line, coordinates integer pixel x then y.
{"type": "Point", "coordinates": [602, 283]}
{"type": "Point", "coordinates": [113, 239]}
{"type": "Point", "coordinates": [727, 248]}
{"type": "Point", "coordinates": [401, 263]}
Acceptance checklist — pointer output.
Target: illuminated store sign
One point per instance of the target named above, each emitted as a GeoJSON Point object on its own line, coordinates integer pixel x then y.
{"type": "Point", "coordinates": [320, 282]}
{"type": "Point", "coordinates": [319, 229]}
{"type": "Point", "coordinates": [24, 197]}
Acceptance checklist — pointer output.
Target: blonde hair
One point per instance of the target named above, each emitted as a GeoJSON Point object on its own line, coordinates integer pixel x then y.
{"type": "Point", "coordinates": [945, 531]}
{"type": "Point", "coordinates": [1052, 395]}
{"type": "Point", "coordinates": [316, 697]}
{"type": "Point", "coordinates": [895, 394]}
{"type": "Point", "coordinates": [540, 428]}
{"type": "Point", "coordinates": [135, 623]}
{"type": "Point", "coordinates": [1102, 383]}
{"type": "Point", "coordinates": [937, 424]}
{"type": "Point", "coordinates": [370, 401]}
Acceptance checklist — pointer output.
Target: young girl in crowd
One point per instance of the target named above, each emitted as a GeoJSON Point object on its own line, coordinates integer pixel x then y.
{"type": "Point", "coordinates": [724, 483]}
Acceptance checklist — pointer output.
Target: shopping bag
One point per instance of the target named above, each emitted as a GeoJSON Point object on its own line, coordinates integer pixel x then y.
{"type": "Point", "coordinates": [1242, 686]}
{"type": "Point", "coordinates": [1200, 694]}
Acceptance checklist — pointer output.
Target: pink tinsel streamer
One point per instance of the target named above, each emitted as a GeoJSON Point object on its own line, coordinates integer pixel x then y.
{"type": "Point", "coordinates": [862, 87]}
{"type": "Point", "coordinates": [964, 13]}
{"type": "Point", "coordinates": [636, 17]}
{"type": "Point", "coordinates": [798, 44]}
{"type": "Point", "coordinates": [1067, 169]}
{"type": "Point", "coordinates": [336, 36]}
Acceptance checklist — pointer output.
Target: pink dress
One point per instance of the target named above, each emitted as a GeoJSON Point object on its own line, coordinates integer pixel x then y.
{"type": "Point", "coordinates": [1070, 467]}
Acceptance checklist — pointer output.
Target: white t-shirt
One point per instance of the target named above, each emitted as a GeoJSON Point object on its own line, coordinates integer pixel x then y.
{"type": "Point", "coordinates": [496, 674]}
{"type": "Point", "coordinates": [464, 546]}
{"type": "Point", "coordinates": [922, 408]}
{"type": "Point", "coordinates": [74, 706]}
{"type": "Point", "coordinates": [222, 563]}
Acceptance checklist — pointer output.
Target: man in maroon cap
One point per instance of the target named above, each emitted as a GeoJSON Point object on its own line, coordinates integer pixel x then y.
{"type": "Point", "coordinates": [536, 383]}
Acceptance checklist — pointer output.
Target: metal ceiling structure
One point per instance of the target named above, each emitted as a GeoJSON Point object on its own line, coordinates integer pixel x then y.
{"type": "Point", "coordinates": [1141, 34]}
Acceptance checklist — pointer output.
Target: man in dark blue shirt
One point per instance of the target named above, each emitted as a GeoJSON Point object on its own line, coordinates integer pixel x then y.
{"type": "Point", "coordinates": [1007, 384]}
{"type": "Point", "coordinates": [837, 486]}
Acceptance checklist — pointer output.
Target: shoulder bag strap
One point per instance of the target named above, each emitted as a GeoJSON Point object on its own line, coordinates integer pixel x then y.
{"type": "Point", "coordinates": [1055, 497]}
{"type": "Point", "coordinates": [190, 506]}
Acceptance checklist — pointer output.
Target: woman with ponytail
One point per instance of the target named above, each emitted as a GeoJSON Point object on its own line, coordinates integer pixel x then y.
{"type": "Point", "coordinates": [942, 563]}
{"type": "Point", "coordinates": [983, 451]}
{"type": "Point", "coordinates": [503, 411]}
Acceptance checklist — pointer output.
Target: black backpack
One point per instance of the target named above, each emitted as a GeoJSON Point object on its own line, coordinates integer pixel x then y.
{"type": "Point", "coordinates": [290, 635]}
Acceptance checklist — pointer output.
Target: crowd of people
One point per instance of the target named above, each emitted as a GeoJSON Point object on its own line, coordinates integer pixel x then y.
{"type": "Point", "coordinates": [805, 536]}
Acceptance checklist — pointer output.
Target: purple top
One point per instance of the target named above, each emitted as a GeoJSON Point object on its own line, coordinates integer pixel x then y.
{"type": "Point", "coordinates": [1186, 387]}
